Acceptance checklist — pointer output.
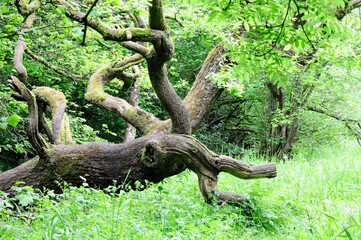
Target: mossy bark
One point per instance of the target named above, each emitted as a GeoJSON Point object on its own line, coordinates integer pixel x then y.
{"type": "Point", "coordinates": [151, 158]}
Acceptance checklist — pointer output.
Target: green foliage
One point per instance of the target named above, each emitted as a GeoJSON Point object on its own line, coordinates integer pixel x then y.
{"type": "Point", "coordinates": [14, 146]}
{"type": "Point", "coordinates": [267, 37]}
{"type": "Point", "coordinates": [314, 197]}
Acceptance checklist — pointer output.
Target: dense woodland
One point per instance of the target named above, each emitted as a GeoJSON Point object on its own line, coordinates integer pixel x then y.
{"type": "Point", "coordinates": [99, 98]}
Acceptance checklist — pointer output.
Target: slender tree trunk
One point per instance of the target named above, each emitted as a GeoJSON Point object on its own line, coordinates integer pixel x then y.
{"type": "Point", "coordinates": [283, 122]}
{"type": "Point", "coordinates": [130, 130]}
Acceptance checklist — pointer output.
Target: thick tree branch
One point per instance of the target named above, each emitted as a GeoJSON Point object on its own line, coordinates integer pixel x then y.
{"type": "Point", "coordinates": [138, 48]}
{"type": "Point", "coordinates": [340, 13]}
{"type": "Point", "coordinates": [169, 98]}
{"type": "Point", "coordinates": [130, 130]}
{"type": "Point", "coordinates": [114, 33]}
{"type": "Point", "coordinates": [144, 121]}
{"type": "Point", "coordinates": [131, 77]}
{"type": "Point", "coordinates": [60, 121]}
{"type": "Point", "coordinates": [20, 48]}
{"type": "Point", "coordinates": [28, 12]}
{"type": "Point", "coordinates": [43, 124]}
{"type": "Point", "coordinates": [25, 8]}
{"type": "Point", "coordinates": [207, 165]}
{"type": "Point", "coordinates": [156, 16]}
{"type": "Point", "coordinates": [164, 46]}
{"type": "Point", "coordinates": [205, 92]}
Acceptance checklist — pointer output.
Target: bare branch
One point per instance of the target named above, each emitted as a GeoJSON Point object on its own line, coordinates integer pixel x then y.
{"type": "Point", "coordinates": [114, 33]}
{"type": "Point", "coordinates": [303, 28]}
{"type": "Point", "coordinates": [229, 4]}
{"type": "Point", "coordinates": [347, 121]}
{"type": "Point", "coordinates": [175, 18]}
{"type": "Point", "coordinates": [281, 32]}
{"type": "Point", "coordinates": [20, 48]}
{"type": "Point", "coordinates": [54, 68]}
{"type": "Point", "coordinates": [85, 21]}
{"type": "Point", "coordinates": [314, 109]}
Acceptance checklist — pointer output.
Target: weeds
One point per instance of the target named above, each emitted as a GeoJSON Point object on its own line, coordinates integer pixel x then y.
{"type": "Point", "coordinates": [313, 197]}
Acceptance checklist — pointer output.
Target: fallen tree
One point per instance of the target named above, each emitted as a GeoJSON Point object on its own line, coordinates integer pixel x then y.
{"type": "Point", "coordinates": [166, 147]}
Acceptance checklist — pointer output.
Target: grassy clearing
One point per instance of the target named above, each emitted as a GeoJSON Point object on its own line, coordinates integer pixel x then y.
{"type": "Point", "coordinates": [315, 196]}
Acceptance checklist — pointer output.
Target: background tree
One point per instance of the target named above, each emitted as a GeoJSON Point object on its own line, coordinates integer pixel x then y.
{"type": "Point", "coordinates": [281, 52]}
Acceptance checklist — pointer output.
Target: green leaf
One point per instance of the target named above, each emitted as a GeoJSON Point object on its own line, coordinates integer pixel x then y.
{"type": "Point", "coordinates": [288, 47]}
{"type": "Point", "coordinates": [13, 120]}
{"type": "Point", "coordinates": [214, 13]}
{"type": "Point", "coordinates": [3, 123]}
{"type": "Point", "coordinates": [25, 200]}
{"type": "Point", "coordinates": [246, 26]}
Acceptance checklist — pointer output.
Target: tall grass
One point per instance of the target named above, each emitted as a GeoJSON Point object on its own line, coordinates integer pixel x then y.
{"type": "Point", "coordinates": [315, 196]}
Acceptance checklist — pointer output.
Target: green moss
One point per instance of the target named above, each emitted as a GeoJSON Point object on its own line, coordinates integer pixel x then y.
{"type": "Point", "coordinates": [131, 113]}
{"type": "Point", "coordinates": [66, 164]}
{"type": "Point", "coordinates": [53, 97]}
{"type": "Point", "coordinates": [95, 91]}
{"type": "Point", "coordinates": [142, 119]}
{"type": "Point", "coordinates": [159, 127]}
{"type": "Point", "coordinates": [143, 158]}
{"type": "Point", "coordinates": [147, 153]}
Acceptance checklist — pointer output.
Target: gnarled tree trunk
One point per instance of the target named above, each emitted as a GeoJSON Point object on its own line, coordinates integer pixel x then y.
{"type": "Point", "coordinates": [165, 150]}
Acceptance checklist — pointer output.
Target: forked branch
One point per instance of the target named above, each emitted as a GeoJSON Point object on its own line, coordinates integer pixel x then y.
{"type": "Point", "coordinates": [206, 164]}
{"type": "Point", "coordinates": [144, 121]}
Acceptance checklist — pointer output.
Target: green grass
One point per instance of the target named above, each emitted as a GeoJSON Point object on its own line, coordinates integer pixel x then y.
{"type": "Point", "coordinates": [315, 196]}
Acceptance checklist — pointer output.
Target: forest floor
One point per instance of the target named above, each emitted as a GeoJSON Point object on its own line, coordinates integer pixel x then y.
{"type": "Point", "coordinates": [315, 196]}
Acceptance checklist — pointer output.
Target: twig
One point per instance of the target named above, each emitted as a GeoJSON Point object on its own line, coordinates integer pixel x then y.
{"type": "Point", "coordinates": [303, 29]}
{"type": "Point", "coordinates": [86, 22]}
{"type": "Point", "coordinates": [175, 19]}
{"type": "Point", "coordinates": [22, 218]}
{"type": "Point", "coordinates": [56, 69]}
{"type": "Point", "coordinates": [229, 4]}
{"type": "Point", "coordinates": [279, 35]}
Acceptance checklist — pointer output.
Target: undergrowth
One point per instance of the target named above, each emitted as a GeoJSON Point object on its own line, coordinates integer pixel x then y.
{"type": "Point", "coordinates": [315, 196]}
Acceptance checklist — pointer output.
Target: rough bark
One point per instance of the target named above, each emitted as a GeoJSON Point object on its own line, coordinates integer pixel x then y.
{"type": "Point", "coordinates": [28, 11]}
{"type": "Point", "coordinates": [204, 91]}
{"type": "Point", "coordinates": [150, 158]}
{"type": "Point", "coordinates": [130, 130]}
